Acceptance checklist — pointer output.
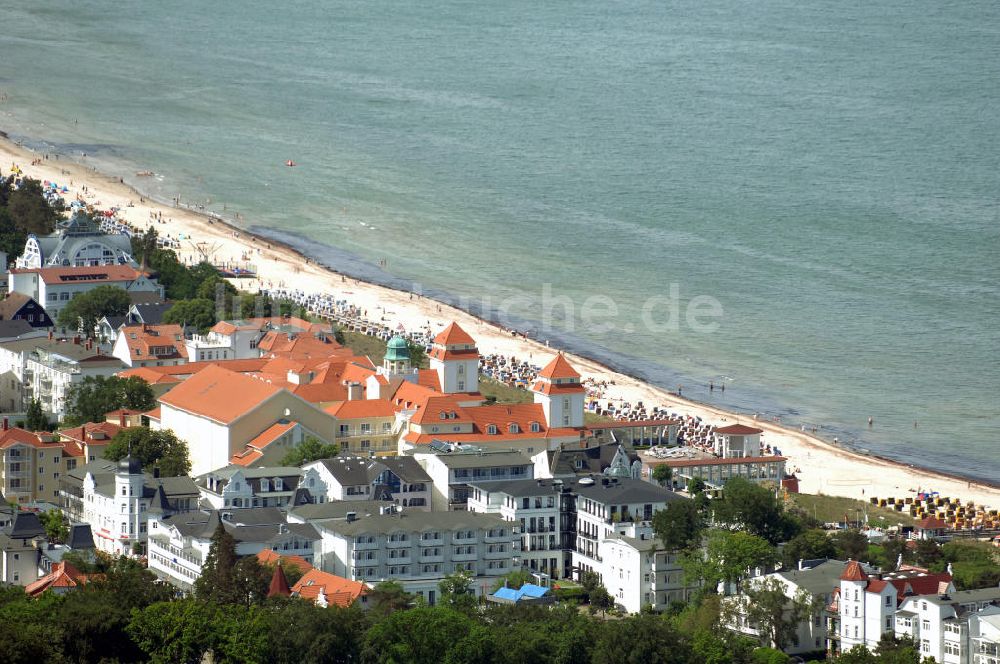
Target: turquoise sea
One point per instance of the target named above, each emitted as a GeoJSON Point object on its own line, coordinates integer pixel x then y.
{"type": "Point", "coordinates": [829, 173]}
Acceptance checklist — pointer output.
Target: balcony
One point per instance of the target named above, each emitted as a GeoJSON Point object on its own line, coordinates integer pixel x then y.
{"type": "Point", "coordinates": [462, 557]}
{"type": "Point", "coordinates": [431, 559]}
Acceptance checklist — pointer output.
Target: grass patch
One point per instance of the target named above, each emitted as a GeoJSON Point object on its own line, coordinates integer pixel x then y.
{"type": "Point", "coordinates": [362, 344]}
{"type": "Point", "coordinates": [504, 393]}
{"type": "Point", "coordinates": [833, 509]}
{"type": "Point", "coordinates": [593, 419]}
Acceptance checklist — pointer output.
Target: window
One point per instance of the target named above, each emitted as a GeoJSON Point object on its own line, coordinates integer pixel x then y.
{"type": "Point", "coordinates": [535, 428]}
{"type": "Point", "coordinates": [491, 429]}
{"type": "Point", "coordinates": [888, 600]}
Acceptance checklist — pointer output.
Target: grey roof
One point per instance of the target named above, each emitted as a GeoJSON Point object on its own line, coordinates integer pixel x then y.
{"type": "Point", "coordinates": [625, 491]}
{"type": "Point", "coordinates": [259, 524]}
{"type": "Point", "coordinates": [522, 488]}
{"type": "Point", "coordinates": [412, 521]}
{"type": "Point", "coordinates": [595, 459]}
{"type": "Point", "coordinates": [821, 579]}
{"type": "Point", "coordinates": [25, 526]}
{"type": "Point", "coordinates": [405, 468]}
{"type": "Point", "coordinates": [650, 543]}
{"type": "Point", "coordinates": [259, 471]}
{"type": "Point", "coordinates": [12, 329]}
{"type": "Point", "coordinates": [80, 536]}
{"type": "Point", "coordinates": [338, 509]}
{"type": "Point", "coordinates": [956, 599]}
{"type": "Point", "coordinates": [59, 346]}
{"type": "Point", "coordinates": [349, 471]}
{"type": "Point", "coordinates": [151, 313]}
{"type": "Point", "coordinates": [483, 460]}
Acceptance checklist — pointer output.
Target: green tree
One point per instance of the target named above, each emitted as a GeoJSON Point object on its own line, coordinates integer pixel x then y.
{"type": "Point", "coordinates": [755, 508]}
{"type": "Point", "coordinates": [927, 552]}
{"type": "Point", "coordinates": [598, 596]}
{"type": "Point", "coordinates": [160, 449]}
{"type": "Point", "coordinates": [389, 596]}
{"type": "Point", "coordinates": [639, 639]}
{"type": "Point", "coordinates": [424, 634]}
{"type": "Point", "coordinates": [218, 580]}
{"type": "Point", "coordinates": [728, 557]}
{"type": "Point", "coordinates": [680, 525]}
{"type": "Point", "coordinates": [178, 632]}
{"type": "Point", "coordinates": [310, 449]}
{"type": "Point", "coordinates": [84, 310]}
{"type": "Point", "coordinates": [56, 525]}
{"type": "Point", "coordinates": [144, 245]}
{"type": "Point", "coordinates": [663, 473]}
{"type": "Point", "coordinates": [200, 314]}
{"type": "Point", "coordinates": [850, 544]}
{"type": "Point", "coordinates": [35, 419]}
{"type": "Point", "coordinates": [29, 211]}
{"type": "Point", "coordinates": [457, 591]}
{"type": "Point", "coordinates": [766, 604]}
{"type": "Point", "coordinates": [95, 396]}
{"type": "Point", "coordinates": [695, 486]}
{"type": "Point", "coordinates": [332, 635]}
{"type": "Point", "coordinates": [214, 289]}
{"type": "Point", "coordinates": [418, 353]}
{"type": "Point", "coordinates": [514, 579]}
{"type": "Point", "coordinates": [808, 545]}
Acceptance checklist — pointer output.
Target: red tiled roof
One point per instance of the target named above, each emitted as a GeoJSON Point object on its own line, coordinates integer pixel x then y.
{"type": "Point", "coordinates": [738, 430]}
{"type": "Point", "coordinates": [84, 274]}
{"type": "Point", "coordinates": [558, 368]}
{"type": "Point", "coordinates": [151, 342]}
{"type": "Point", "coordinates": [14, 435]}
{"type": "Point", "coordinates": [931, 523]}
{"type": "Point", "coordinates": [91, 433]}
{"type": "Point", "coordinates": [543, 387]}
{"type": "Point", "coordinates": [336, 589]}
{"type": "Point", "coordinates": [63, 575]}
{"type": "Point", "coordinates": [445, 354]}
{"type": "Point", "coordinates": [279, 584]}
{"type": "Point", "coordinates": [269, 557]}
{"type": "Point", "coordinates": [853, 572]}
{"type": "Point", "coordinates": [453, 335]}
{"type": "Point", "coordinates": [271, 434]}
{"type": "Point", "coordinates": [218, 394]}
{"type": "Point", "coordinates": [153, 414]}
{"type": "Point", "coordinates": [927, 584]}
{"type": "Point", "coordinates": [346, 410]}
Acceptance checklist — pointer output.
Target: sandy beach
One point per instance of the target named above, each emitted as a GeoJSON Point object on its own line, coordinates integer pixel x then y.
{"type": "Point", "coordinates": [822, 466]}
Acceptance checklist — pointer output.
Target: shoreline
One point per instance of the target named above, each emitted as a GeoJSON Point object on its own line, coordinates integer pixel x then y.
{"type": "Point", "coordinates": [835, 469]}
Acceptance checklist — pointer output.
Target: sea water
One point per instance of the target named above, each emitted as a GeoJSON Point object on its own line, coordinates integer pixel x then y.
{"type": "Point", "coordinates": [829, 174]}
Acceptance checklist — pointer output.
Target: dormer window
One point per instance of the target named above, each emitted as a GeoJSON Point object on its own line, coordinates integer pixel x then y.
{"type": "Point", "coordinates": [513, 428]}
{"type": "Point", "coordinates": [491, 429]}
{"type": "Point", "coordinates": [535, 427]}
{"type": "Point", "coordinates": [444, 415]}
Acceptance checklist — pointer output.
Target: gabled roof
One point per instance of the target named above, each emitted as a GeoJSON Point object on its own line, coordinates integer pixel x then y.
{"type": "Point", "coordinates": [141, 341]}
{"type": "Point", "coordinates": [738, 430]}
{"type": "Point", "coordinates": [336, 590]}
{"type": "Point", "coordinates": [453, 335]}
{"type": "Point", "coordinates": [931, 523]}
{"type": "Point", "coordinates": [85, 274]}
{"type": "Point", "coordinates": [99, 433]}
{"type": "Point", "coordinates": [269, 557]}
{"type": "Point", "coordinates": [63, 575]}
{"type": "Point", "coordinates": [559, 367]}
{"type": "Point", "coordinates": [219, 394]}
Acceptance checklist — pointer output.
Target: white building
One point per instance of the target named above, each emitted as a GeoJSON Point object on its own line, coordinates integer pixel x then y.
{"type": "Point", "coordinates": [455, 358]}
{"type": "Point", "coordinates": [116, 499]}
{"type": "Point", "coordinates": [818, 579]}
{"type": "Point", "coordinates": [418, 549]}
{"type": "Point", "coordinates": [179, 543]}
{"type": "Point", "coordinates": [227, 340]}
{"type": "Point", "coordinates": [559, 391]}
{"type": "Point", "coordinates": [452, 473]}
{"type": "Point", "coordinates": [220, 412]}
{"type": "Point", "coordinates": [544, 511]}
{"type": "Point", "coordinates": [77, 241]}
{"type": "Point", "coordinates": [400, 480]}
{"type": "Point", "coordinates": [266, 486]}
{"type": "Point", "coordinates": [985, 633]}
{"type": "Point", "coordinates": [865, 606]}
{"type": "Point", "coordinates": [940, 624]}
{"type": "Point", "coordinates": [150, 345]}
{"type": "Point", "coordinates": [54, 287]}
{"type": "Point", "coordinates": [607, 506]}
{"type": "Point", "coordinates": [639, 572]}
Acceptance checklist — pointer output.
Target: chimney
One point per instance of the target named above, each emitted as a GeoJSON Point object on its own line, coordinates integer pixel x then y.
{"type": "Point", "coordinates": [352, 517]}
{"type": "Point", "coordinates": [51, 334]}
{"type": "Point", "coordinates": [121, 420]}
{"type": "Point", "coordinates": [76, 339]}
{"type": "Point", "coordinates": [90, 344]}
{"type": "Point", "coordinates": [6, 424]}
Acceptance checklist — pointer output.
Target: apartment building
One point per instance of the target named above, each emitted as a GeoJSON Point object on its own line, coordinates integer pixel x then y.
{"type": "Point", "coordinates": [418, 549]}
{"type": "Point", "coordinates": [453, 472]}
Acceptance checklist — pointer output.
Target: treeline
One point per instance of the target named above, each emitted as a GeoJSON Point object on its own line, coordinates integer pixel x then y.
{"type": "Point", "coordinates": [23, 210]}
